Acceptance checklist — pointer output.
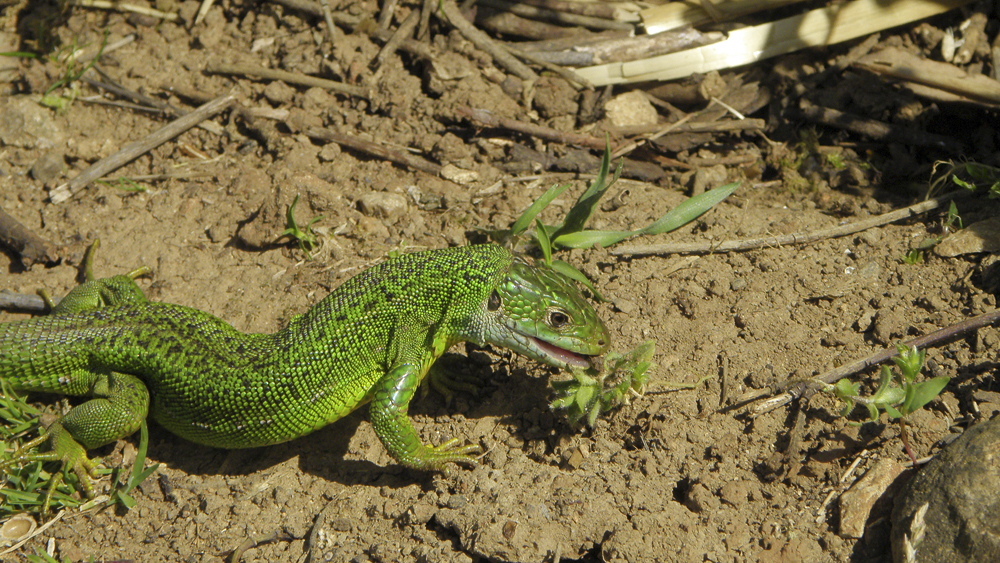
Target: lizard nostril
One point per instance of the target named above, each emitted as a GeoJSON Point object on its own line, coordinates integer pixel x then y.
{"type": "Point", "coordinates": [600, 342]}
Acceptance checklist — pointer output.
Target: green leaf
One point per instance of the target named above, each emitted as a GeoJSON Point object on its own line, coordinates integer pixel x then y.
{"type": "Point", "coordinates": [891, 410]}
{"type": "Point", "coordinates": [924, 392]}
{"type": "Point", "coordinates": [526, 218]}
{"type": "Point", "coordinates": [872, 412]}
{"type": "Point", "coordinates": [587, 239]}
{"type": "Point", "coordinates": [585, 205]}
{"type": "Point", "coordinates": [690, 209]}
{"type": "Point", "coordinates": [543, 241]}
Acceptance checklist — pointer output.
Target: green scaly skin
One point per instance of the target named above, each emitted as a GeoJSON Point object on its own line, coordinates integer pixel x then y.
{"type": "Point", "coordinates": [372, 339]}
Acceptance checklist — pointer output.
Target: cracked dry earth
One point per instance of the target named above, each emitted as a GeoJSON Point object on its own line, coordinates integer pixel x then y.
{"type": "Point", "coordinates": [670, 477]}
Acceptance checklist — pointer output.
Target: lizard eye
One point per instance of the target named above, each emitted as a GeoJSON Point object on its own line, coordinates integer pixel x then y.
{"type": "Point", "coordinates": [557, 319]}
{"type": "Point", "coordinates": [494, 303]}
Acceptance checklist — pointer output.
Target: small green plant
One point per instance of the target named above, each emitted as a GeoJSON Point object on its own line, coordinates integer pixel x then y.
{"type": "Point", "coordinates": [593, 390]}
{"type": "Point", "coordinates": [952, 222]}
{"type": "Point", "coordinates": [969, 175]}
{"type": "Point", "coordinates": [120, 495]}
{"type": "Point", "coordinates": [65, 57]}
{"type": "Point", "coordinates": [305, 237]}
{"type": "Point", "coordinates": [571, 233]}
{"type": "Point", "coordinates": [43, 557]}
{"type": "Point", "coordinates": [124, 184]}
{"type": "Point", "coordinates": [898, 393]}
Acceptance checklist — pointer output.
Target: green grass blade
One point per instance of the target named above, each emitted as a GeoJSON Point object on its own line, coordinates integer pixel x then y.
{"type": "Point", "coordinates": [572, 273]}
{"type": "Point", "coordinates": [543, 241]}
{"type": "Point", "coordinates": [526, 218]}
{"type": "Point", "coordinates": [584, 207]}
{"type": "Point", "coordinates": [690, 209]}
{"type": "Point", "coordinates": [587, 239]}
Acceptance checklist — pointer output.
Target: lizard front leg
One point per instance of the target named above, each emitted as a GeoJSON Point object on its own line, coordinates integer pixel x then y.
{"type": "Point", "coordinates": [388, 412]}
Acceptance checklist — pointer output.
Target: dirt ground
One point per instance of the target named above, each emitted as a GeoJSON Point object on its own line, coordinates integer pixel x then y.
{"type": "Point", "coordinates": [671, 477]}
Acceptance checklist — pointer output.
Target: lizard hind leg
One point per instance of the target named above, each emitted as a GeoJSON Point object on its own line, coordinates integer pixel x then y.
{"type": "Point", "coordinates": [120, 405]}
{"type": "Point", "coordinates": [97, 293]}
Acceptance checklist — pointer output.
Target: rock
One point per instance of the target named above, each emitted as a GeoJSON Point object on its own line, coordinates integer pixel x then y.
{"type": "Point", "coordinates": [857, 502]}
{"type": "Point", "coordinates": [983, 236]}
{"type": "Point", "coordinates": [384, 205]}
{"type": "Point", "coordinates": [959, 487]}
{"type": "Point", "coordinates": [48, 167]}
{"type": "Point", "coordinates": [631, 108]}
{"type": "Point", "coordinates": [25, 124]}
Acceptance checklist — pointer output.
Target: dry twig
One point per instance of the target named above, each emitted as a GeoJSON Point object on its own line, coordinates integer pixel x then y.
{"type": "Point", "coordinates": [288, 77]}
{"type": "Point", "coordinates": [487, 119]}
{"type": "Point", "coordinates": [794, 238]}
{"type": "Point", "coordinates": [134, 149]}
{"type": "Point", "coordinates": [380, 151]}
{"type": "Point", "coordinates": [31, 248]}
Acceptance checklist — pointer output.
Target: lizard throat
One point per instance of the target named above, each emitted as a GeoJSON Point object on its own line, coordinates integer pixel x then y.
{"type": "Point", "coordinates": [561, 354]}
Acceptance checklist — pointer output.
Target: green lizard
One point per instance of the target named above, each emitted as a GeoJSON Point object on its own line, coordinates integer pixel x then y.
{"type": "Point", "coordinates": [371, 340]}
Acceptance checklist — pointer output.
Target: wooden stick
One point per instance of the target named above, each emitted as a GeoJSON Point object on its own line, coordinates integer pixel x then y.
{"type": "Point", "coordinates": [285, 76]}
{"type": "Point", "coordinates": [555, 16]}
{"type": "Point", "coordinates": [22, 302]}
{"type": "Point", "coordinates": [873, 129]}
{"type": "Point", "coordinates": [380, 151]}
{"type": "Point", "coordinates": [30, 247]}
{"type": "Point", "coordinates": [133, 150]}
{"type": "Point", "coordinates": [404, 32]}
{"type": "Point", "coordinates": [794, 238]}
{"type": "Point", "coordinates": [573, 78]}
{"type": "Point", "coordinates": [483, 41]}
{"type": "Point", "coordinates": [488, 119]}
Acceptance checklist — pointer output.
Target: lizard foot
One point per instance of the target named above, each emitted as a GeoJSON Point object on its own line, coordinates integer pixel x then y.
{"type": "Point", "coordinates": [64, 449]}
{"type": "Point", "coordinates": [437, 458]}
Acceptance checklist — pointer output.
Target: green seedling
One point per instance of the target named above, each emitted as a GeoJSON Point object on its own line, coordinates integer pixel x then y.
{"type": "Point", "coordinates": [593, 391]}
{"type": "Point", "coordinates": [952, 222]}
{"type": "Point", "coordinates": [898, 393]}
{"type": "Point", "coordinates": [571, 233]}
{"type": "Point", "coordinates": [120, 495]}
{"type": "Point", "coordinates": [305, 237]}
{"type": "Point", "coordinates": [43, 557]}
{"type": "Point", "coordinates": [969, 175]}
{"type": "Point", "coordinates": [124, 184]}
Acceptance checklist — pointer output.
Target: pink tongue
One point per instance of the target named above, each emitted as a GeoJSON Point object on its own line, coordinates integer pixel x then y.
{"type": "Point", "coordinates": [571, 358]}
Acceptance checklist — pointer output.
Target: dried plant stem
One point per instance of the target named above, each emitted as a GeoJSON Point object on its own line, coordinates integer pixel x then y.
{"type": "Point", "coordinates": [134, 149]}
{"type": "Point", "coordinates": [794, 238]}
{"type": "Point", "coordinates": [483, 41]}
{"type": "Point", "coordinates": [288, 77]}
{"type": "Point", "coordinates": [373, 149]}
{"type": "Point", "coordinates": [936, 338]}
{"type": "Point", "coordinates": [487, 119]}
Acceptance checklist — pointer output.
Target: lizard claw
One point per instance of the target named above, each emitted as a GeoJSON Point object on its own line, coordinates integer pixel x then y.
{"type": "Point", "coordinates": [437, 458]}
{"type": "Point", "coordinates": [64, 449]}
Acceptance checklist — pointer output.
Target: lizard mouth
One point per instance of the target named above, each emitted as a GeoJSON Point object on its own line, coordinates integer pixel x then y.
{"type": "Point", "coordinates": [561, 354]}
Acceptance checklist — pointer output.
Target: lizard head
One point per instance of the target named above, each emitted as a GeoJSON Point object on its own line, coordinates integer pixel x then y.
{"type": "Point", "coordinates": [541, 314]}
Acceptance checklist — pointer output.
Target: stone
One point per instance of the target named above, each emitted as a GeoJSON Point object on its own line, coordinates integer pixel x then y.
{"type": "Point", "coordinates": [48, 167]}
{"type": "Point", "coordinates": [959, 487]}
{"type": "Point", "coordinates": [25, 124]}
{"type": "Point", "coordinates": [856, 503]}
{"type": "Point", "coordinates": [384, 205]}
{"type": "Point", "coordinates": [631, 108]}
